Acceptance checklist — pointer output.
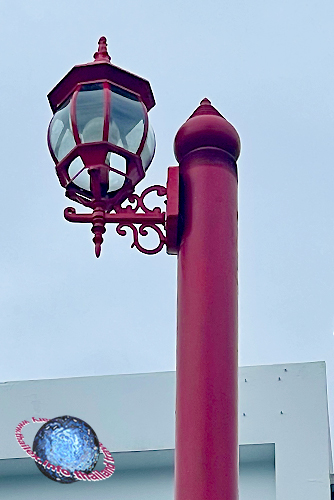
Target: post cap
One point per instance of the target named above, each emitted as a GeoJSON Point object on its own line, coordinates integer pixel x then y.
{"type": "Point", "coordinates": [206, 127]}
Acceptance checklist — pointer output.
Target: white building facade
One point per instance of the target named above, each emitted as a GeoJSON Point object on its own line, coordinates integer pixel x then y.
{"type": "Point", "coordinates": [284, 440]}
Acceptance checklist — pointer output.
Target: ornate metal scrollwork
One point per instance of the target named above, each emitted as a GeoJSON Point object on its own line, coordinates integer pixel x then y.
{"type": "Point", "coordinates": [139, 200]}
{"type": "Point", "coordinates": [139, 218]}
{"type": "Point", "coordinates": [140, 205]}
{"type": "Point", "coordinates": [143, 232]}
{"type": "Point", "coordinates": [126, 217]}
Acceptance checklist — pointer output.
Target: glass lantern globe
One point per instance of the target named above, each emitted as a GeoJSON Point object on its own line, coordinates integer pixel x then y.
{"type": "Point", "coordinates": [101, 142]}
{"type": "Point", "coordinates": [100, 139]}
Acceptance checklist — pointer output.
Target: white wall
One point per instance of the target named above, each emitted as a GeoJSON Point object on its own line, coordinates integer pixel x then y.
{"type": "Point", "coordinates": [283, 456]}
{"type": "Point", "coordinates": [287, 405]}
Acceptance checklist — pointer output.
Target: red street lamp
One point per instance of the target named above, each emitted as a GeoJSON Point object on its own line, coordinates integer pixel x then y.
{"type": "Point", "coordinates": [101, 142]}
{"type": "Point", "coordinates": [102, 145]}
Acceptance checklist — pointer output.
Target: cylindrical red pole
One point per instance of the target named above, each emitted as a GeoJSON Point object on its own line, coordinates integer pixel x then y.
{"type": "Point", "coordinates": [206, 462]}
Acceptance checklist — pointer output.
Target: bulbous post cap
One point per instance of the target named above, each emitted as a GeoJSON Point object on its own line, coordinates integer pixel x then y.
{"type": "Point", "coordinates": [206, 127]}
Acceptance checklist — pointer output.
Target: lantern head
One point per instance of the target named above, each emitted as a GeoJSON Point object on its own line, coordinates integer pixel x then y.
{"type": "Point", "coordinates": [99, 137]}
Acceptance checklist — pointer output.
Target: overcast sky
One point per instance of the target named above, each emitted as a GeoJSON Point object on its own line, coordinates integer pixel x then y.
{"type": "Point", "coordinates": [267, 66]}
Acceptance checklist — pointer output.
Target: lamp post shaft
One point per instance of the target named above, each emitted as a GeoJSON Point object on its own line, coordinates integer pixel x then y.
{"type": "Point", "coordinates": [206, 463]}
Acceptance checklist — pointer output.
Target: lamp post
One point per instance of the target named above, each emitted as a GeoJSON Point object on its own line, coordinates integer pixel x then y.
{"type": "Point", "coordinates": [206, 447]}
{"type": "Point", "coordinates": [102, 145]}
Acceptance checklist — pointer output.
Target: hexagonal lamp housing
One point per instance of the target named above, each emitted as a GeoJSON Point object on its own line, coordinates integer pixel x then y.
{"type": "Point", "coordinates": [99, 137]}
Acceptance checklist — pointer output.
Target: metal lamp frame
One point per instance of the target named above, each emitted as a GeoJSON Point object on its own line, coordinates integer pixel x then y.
{"type": "Point", "coordinates": [93, 155]}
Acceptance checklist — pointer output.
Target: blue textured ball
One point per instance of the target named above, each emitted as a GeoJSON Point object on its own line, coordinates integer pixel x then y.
{"type": "Point", "coordinates": [69, 442]}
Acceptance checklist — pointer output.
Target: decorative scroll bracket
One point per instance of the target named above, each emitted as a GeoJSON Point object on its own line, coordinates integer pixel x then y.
{"type": "Point", "coordinates": [128, 217]}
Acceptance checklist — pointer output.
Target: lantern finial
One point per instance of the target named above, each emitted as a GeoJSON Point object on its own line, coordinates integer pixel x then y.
{"type": "Point", "coordinates": [102, 52]}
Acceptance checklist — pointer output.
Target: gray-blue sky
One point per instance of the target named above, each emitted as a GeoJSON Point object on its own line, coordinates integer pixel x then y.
{"type": "Point", "coordinates": [267, 66]}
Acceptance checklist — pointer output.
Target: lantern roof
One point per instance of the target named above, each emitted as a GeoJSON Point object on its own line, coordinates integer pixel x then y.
{"type": "Point", "coordinates": [100, 69]}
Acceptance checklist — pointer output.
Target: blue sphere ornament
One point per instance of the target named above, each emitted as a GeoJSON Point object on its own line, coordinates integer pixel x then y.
{"type": "Point", "coordinates": [68, 442]}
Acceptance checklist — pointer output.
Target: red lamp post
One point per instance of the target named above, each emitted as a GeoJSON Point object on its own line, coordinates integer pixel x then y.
{"type": "Point", "coordinates": [206, 448]}
{"type": "Point", "coordinates": [102, 145]}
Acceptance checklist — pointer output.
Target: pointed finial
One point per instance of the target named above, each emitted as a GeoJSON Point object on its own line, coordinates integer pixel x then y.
{"type": "Point", "coordinates": [205, 108]}
{"type": "Point", "coordinates": [102, 52]}
{"type": "Point", "coordinates": [206, 128]}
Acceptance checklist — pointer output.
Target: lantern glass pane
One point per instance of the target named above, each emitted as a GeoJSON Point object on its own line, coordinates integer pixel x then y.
{"type": "Point", "coordinates": [89, 112]}
{"type": "Point", "coordinates": [116, 180]}
{"type": "Point", "coordinates": [126, 127]}
{"type": "Point", "coordinates": [60, 134]}
{"type": "Point", "coordinates": [149, 149]}
{"type": "Point", "coordinates": [79, 174]}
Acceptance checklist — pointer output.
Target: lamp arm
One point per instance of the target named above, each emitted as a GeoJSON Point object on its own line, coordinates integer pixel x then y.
{"type": "Point", "coordinates": [130, 217]}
